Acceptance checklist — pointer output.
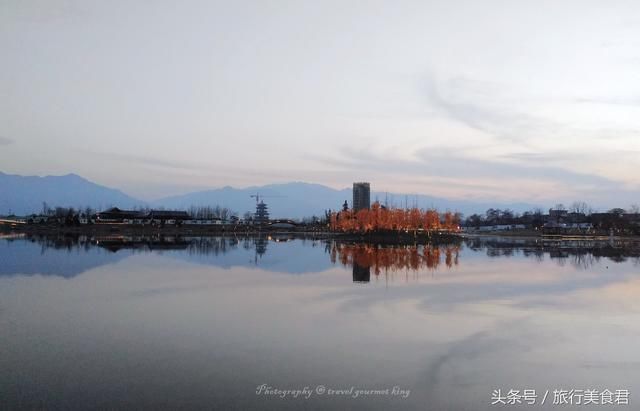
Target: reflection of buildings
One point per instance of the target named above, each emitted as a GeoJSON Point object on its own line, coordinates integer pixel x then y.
{"type": "Point", "coordinates": [157, 243]}
{"type": "Point", "coordinates": [361, 274]}
{"type": "Point", "coordinates": [116, 215]}
{"type": "Point", "coordinates": [63, 256]}
{"type": "Point", "coordinates": [260, 244]}
{"type": "Point", "coordinates": [361, 196]}
{"type": "Point", "coordinates": [582, 253]}
{"type": "Point", "coordinates": [70, 255]}
{"type": "Point", "coordinates": [281, 238]}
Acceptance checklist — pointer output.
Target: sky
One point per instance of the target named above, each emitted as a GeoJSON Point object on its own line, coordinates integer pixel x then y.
{"type": "Point", "coordinates": [535, 101]}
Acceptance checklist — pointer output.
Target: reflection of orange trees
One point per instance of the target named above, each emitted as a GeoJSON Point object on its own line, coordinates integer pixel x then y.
{"type": "Point", "coordinates": [379, 218]}
{"type": "Point", "coordinates": [394, 258]}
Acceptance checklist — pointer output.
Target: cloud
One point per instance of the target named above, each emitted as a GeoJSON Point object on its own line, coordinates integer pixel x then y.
{"type": "Point", "coordinates": [151, 161]}
{"type": "Point", "coordinates": [487, 107]}
{"type": "Point", "coordinates": [503, 113]}
{"type": "Point", "coordinates": [4, 141]}
{"type": "Point", "coordinates": [535, 157]}
{"type": "Point", "coordinates": [447, 164]}
{"type": "Point", "coordinates": [618, 101]}
{"type": "Point", "coordinates": [463, 176]}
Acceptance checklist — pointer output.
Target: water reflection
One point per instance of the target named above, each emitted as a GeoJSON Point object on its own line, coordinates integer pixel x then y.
{"type": "Point", "coordinates": [167, 324]}
{"type": "Point", "coordinates": [363, 258]}
{"type": "Point", "coordinates": [60, 256]}
{"type": "Point", "coordinates": [361, 274]}
{"type": "Point", "coordinates": [69, 255]}
{"type": "Point", "coordinates": [294, 254]}
{"type": "Point", "coordinates": [581, 254]}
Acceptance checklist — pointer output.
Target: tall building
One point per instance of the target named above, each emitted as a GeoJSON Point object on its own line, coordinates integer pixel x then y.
{"type": "Point", "coordinates": [361, 196]}
{"type": "Point", "coordinates": [361, 274]}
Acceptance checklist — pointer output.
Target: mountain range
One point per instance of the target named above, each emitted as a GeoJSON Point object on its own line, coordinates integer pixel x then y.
{"type": "Point", "coordinates": [26, 194]}
{"type": "Point", "coordinates": [22, 195]}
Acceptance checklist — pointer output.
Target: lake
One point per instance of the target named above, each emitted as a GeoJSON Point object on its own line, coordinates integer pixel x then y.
{"type": "Point", "coordinates": [288, 323]}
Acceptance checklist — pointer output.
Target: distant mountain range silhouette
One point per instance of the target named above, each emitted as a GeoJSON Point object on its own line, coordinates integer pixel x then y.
{"type": "Point", "coordinates": [23, 195]}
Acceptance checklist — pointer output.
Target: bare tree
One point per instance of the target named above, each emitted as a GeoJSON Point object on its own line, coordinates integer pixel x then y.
{"type": "Point", "coordinates": [208, 212]}
{"type": "Point", "coordinates": [580, 207]}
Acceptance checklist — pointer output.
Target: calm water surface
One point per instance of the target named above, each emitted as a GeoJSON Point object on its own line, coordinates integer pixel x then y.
{"type": "Point", "coordinates": [198, 323]}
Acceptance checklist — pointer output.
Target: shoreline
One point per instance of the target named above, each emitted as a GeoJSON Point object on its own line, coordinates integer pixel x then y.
{"type": "Point", "coordinates": [533, 235]}
{"type": "Point", "coordinates": [121, 230]}
{"type": "Point", "coordinates": [383, 238]}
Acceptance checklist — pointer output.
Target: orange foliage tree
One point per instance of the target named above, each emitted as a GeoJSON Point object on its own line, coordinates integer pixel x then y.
{"type": "Point", "coordinates": [379, 218]}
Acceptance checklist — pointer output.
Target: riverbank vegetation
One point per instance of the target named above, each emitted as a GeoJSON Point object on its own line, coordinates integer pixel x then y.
{"type": "Point", "coordinates": [379, 218]}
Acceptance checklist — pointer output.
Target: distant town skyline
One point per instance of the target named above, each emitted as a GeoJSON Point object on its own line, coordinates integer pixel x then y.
{"type": "Point", "coordinates": [534, 101]}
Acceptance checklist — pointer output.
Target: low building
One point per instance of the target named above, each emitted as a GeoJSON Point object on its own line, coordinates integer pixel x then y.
{"type": "Point", "coordinates": [202, 221]}
{"type": "Point", "coordinates": [631, 218]}
{"type": "Point", "coordinates": [116, 215]}
{"type": "Point", "coordinates": [282, 223]}
{"type": "Point", "coordinates": [141, 220]}
{"type": "Point", "coordinates": [38, 219]}
{"type": "Point", "coordinates": [498, 227]}
{"type": "Point", "coordinates": [580, 226]}
{"type": "Point", "coordinates": [169, 217]}
{"type": "Point", "coordinates": [557, 215]}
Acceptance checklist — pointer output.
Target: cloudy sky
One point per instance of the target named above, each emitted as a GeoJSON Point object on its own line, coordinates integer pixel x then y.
{"type": "Point", "coordinates": [530, 100]}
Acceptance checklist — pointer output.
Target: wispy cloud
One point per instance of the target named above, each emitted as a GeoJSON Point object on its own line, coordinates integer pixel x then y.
{"type": "Point", "coordinates": [150, 161]}
{"type": "Point", "coordinates": [619, 101]}
{"type": "Point", "coordinates": [446, 164]}
{"type": "Point", "coordinates": [486, 107]}
{"type": "Point", "coordinates": [506, 114]}
{"type": "Point", "coordinates": [465, 176]}
{"type": "Point", "coordinates": [535, 157]}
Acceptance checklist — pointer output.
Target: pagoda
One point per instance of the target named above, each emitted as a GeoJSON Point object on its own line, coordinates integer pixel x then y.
{"type": "Point", "coordinates": [262, 213]}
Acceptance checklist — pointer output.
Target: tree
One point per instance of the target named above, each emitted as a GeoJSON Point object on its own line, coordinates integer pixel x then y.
{"type": "Point", "coordinates": [450, 221]}
{"type": "Point", "coordinates": [474, 220]}
{"type": "Point", "coordinates": [379, 218]}
{"type": "Point", "coordinates": [493, 215]}
{"type": "Point", "coordinates": [580, 207]}
{"type": "Point", "coordinates": [431, 220]}
{"type": "Point", "coordinates": [507, 215]}
{"type": "Point", "coordinates": [88, 211]}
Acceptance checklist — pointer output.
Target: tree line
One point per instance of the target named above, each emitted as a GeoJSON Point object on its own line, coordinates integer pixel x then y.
{"type": "Point", "coordinates": [380, 218]}
{"type": "Point", "coordinates": [199, 212]}
{"type": "Point", "coordinates": [578, 212]}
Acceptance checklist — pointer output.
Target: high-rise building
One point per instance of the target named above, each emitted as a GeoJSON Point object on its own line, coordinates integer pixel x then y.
{"type": "Point", "coordinates": [361, 274]}
{"type": "Point", "coordinates": [361, 196]}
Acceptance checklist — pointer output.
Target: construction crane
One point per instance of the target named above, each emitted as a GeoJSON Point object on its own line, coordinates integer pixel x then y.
{"type": "Point", "coordinates": [258, 196]}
